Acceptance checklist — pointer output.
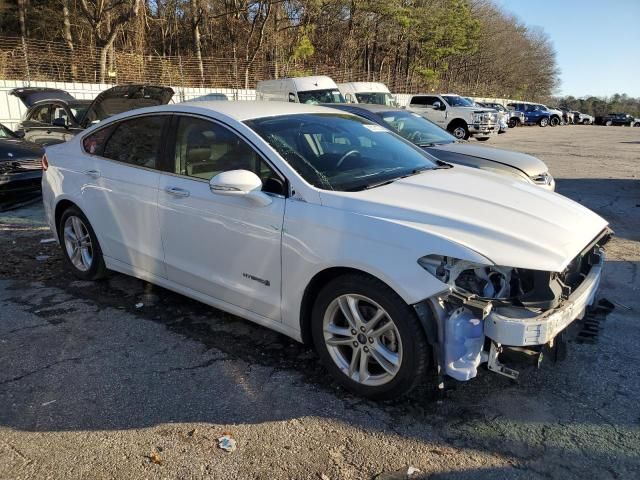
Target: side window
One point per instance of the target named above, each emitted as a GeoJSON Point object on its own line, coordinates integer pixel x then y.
{"type": "Point", "coordinates": [60, 112]}
{"type": "Point", "coordinates": [41, 114]}
{"type": "Point", "coordinates": [419, 100]}
{"type": "Point", "coordinates": [205, 149]}
{"type": "Point", "coordinates": [136, 141]}
{"type": "Point", "coordinates": [94, 143]}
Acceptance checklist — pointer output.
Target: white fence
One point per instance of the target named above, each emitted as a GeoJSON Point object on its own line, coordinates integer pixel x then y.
{"type": "Point", "coordinates": [12, 110]}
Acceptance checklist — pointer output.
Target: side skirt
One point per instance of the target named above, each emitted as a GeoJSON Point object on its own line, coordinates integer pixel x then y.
{"type": "Point", "coordinates": [126, 269]}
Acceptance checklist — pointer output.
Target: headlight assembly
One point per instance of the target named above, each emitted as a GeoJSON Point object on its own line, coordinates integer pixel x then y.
{"type": "Point", "coordinates": [490, 282]}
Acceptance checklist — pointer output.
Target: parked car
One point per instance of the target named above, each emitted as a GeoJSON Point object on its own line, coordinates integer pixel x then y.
{"type": "Point", "coordinates": [616, 119]}
{"type": "Point", "coordinates": [567, 116]}
{"type": "Point", "coordinates": [55, 116]}
{"type": "Point", "coordinates": [20, 164]}
{"type": "Point", "coordinates": [505, 116]}
{"type": "Point", "coordinates": [533, 114]}
{"type": "Point", "coordinates": [445, 147]}
{"type": "Point", "coordinates": [457, 115]}
{"type": "Point", "coordinates": [514, 117]}
{"type": "Point", "coordinates": [330, 229]}
{"type": "Point", "coordinates": [555, 116]}
{"type": "Point", "coordinates": [367, 92]}
{"type": "Point", "coordinates": [582, 118]}
{"type": "Point", "coordinates": [310, 90]}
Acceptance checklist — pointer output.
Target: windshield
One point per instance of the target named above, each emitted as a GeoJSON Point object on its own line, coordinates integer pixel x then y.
{"type": "Point", "coordinates": [378, 98]}
{"type": "Point", "coordinates": [6, 133]}
{"type": "Point", "coordinates": [456, 101]}
{"type": "Point", "coordinates": [416, 128]}
{"type": "Point", "coordinates": [339, 151]}
{"type": "Point", "coordinates": [331, 95]}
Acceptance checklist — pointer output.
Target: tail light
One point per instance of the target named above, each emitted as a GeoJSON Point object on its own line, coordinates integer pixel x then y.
{"type": "Point", "coordinates": [45, 162]}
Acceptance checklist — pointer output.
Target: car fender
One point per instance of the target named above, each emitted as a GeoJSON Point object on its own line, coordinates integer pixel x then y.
{"type": "Point", "coordinates": [316, 238]}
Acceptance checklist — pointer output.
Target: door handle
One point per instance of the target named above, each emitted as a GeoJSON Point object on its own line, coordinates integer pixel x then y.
{"type": "Point", "coordinates": [92, 173]}
{"type": "Point", "coordinates": [177, 192]}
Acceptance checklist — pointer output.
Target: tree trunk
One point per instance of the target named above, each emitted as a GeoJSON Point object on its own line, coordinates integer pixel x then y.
{"type": "Point", "coordinates": [22, 14]}
{"type": "Point", "coordinates": [197, 42]}
{"type": "Point", "coordinates": [66, 31]}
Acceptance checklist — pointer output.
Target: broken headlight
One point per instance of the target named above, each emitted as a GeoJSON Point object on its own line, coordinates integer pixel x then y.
{"type": "Point", "coordinates": [484, 281]}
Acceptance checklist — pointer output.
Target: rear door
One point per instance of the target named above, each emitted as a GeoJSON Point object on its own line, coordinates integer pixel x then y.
{"type": "Point", "coordinates": [222, 246]}
{"type": "Point", "coordinates": [121, 191]}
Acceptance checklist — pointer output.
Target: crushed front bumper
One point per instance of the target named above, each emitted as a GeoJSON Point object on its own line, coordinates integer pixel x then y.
{"type": "Point", "coordinates": [520, 327]}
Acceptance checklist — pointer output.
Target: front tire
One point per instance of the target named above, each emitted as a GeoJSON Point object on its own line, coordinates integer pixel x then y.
{"type": "Point", "coordinates": [543, 122]}
{"type": "Point", "coordinates": [460, 131]}
{"type": "Point", "coordinates": [513, 122]}
{"type": "Point", "coordinates": [80, 247]}
{"type": "Point", "coordinates": [368, 338]}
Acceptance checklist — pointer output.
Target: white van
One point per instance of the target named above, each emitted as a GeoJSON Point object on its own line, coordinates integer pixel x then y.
{"type": "Point", "coordinates": [367, 92]}
{"type": "Point", "coordinates": [310, 90]}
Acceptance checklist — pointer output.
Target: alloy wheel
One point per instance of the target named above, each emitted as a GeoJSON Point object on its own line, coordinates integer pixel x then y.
{"type": "Point", "coordinates": [362, 339]}
{"type": "Point", "coordinates": [77, 242]}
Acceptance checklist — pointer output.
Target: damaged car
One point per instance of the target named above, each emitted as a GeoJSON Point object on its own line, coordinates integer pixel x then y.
{"type": "Point", "coordinates": [54, 116]}
{"type": "Point", "coordinates": [331, 229]}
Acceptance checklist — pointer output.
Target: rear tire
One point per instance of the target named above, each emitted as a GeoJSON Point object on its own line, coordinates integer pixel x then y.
{"type": "Point", "coordinates": [482, 139]}
{"type": "Point", "coordinates": [381, 360]}
{"type": "Point", "coordinates": [513, 122]}
{"type": "Point", "coordinates": [554, 122]}
{"type": "Point", "coordinates": [80, 247]}
{"type": "Point", "coordinates": [608, 123]}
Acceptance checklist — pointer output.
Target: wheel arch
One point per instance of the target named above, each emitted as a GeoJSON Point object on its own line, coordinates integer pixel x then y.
{"type": "Point", "coordinates": [455, 122]}
{"type": "Point", "coordinates": [61, 206]}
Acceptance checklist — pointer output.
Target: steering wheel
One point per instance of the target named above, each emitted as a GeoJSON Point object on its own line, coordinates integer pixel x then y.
{"type": "Point", "coordinates": [349, 153]}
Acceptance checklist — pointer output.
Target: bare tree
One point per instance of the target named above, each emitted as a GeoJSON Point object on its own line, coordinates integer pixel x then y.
{"type": "Point", "coordinates": [105, 26]}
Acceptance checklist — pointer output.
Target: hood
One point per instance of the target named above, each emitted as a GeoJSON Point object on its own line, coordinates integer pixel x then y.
{"type": "Point", "coordinates": [17, 149]}
{"type": "Point", "coordinates": [528, 164]}
{"type": "Point", "coordinates": [31, 95]}
{"type": "Point", "coordinates": [511, 223]}
{"type": "Point", "coordinates": [123, 98]}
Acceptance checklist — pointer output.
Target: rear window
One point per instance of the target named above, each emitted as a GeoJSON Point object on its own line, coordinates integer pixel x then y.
{"type": "Point", "coordinates": [136, 141]}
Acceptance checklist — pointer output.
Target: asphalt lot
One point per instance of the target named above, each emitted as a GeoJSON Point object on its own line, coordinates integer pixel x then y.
{"type": "Point", "coordinates": [93, 387]}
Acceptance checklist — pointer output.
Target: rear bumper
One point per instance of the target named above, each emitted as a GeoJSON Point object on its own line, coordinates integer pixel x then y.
{"type": "Point", "coordinates": [505, 328]}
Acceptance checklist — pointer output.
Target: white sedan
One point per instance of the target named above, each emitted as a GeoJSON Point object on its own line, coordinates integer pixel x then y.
{"type": "Point", "coordinates": [327, 228]}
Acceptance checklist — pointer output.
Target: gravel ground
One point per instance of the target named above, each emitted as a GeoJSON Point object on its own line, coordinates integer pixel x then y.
{"type": "Point", "coordinates": [93, 387]}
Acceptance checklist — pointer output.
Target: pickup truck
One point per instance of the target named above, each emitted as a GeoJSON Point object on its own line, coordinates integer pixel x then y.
{"type": "Point", "coordinates": [533, 114]}
{"type": "Point", "coordinates": [457, 115]}
{"type": "Point", "coordinates": [616, 119]}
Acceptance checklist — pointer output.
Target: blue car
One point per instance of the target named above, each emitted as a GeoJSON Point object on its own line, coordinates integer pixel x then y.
{"type": "Point", "coordinates": [533, 114]}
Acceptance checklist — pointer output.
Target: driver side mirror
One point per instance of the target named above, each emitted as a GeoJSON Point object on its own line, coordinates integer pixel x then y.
{"type": "Point", "coordinates": [438, 106]}
{"type": "Point", "coordinates": [240, 183]}
{"type": "Point", "coordinates": [60, 122]}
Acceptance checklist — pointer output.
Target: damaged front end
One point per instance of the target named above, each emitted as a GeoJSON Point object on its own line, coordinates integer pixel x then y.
{"type": "Point", "coordinates": [488, 308]}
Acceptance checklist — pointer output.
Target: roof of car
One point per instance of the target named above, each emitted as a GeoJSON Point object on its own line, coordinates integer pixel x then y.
{"type": "Point", "coordinates": [370, 107]}
{"type": "Point", "coordinates": [243, 110]}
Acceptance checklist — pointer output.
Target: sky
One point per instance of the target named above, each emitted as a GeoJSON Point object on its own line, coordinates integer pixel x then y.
{"type": "Point", "coordinates": [597, 42]}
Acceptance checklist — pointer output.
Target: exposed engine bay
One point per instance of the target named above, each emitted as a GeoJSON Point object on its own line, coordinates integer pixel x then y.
{"type": "Point", "coordinates": [489, 307]}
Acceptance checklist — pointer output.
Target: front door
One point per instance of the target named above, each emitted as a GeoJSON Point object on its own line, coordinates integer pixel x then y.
{"type": "Point", "coordinates": [222, 246]}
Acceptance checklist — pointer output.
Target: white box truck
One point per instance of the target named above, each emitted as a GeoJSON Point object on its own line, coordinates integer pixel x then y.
{"type": "Point", "coordinates": [367, 92]}
{"type": "Point", "coordinates": [312, 90]}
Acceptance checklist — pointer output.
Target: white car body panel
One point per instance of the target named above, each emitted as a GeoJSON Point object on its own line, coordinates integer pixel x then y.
{"type": "Point", "coordinates": [172, 240]}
